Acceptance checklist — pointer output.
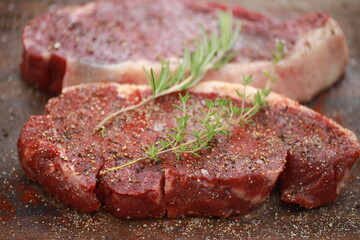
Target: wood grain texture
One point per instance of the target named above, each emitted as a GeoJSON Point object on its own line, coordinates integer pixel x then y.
{"type": "Point", "coordinates": [27, 212]}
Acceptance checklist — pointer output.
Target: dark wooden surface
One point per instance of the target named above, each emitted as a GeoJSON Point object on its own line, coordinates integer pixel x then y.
{"type": "Point", "coordinates": [27, 212]}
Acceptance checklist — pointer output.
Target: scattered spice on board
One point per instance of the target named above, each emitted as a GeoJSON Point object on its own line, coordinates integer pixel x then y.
{"type": "Point", "coordinates": [30, 196]}
{"type": "Point", "coordinates": [7, 210]}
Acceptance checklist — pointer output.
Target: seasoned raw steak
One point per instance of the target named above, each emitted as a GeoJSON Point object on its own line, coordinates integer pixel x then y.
{"type": "Point", "coordinates": [113, 41]}
{"type": "Point", "coordinates": [320, 156]}
{"type": "Point", "coordinates": [62, 152]}
{"type": "Point", "coordinates": [228, 179]}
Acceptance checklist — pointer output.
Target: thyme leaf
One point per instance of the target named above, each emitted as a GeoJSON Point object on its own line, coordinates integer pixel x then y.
{"type": "Point", "coordinates": [280, 51]}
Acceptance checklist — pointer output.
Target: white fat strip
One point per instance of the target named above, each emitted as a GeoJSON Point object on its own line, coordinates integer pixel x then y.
{"type": "Point", "coordinates": [78, 12]}
{"type": "Point", "coordinates": [240, 193]}
{"type": "Point", "coordinates": [341, 184]}
{"type": "Point", "coordinates": [26, 159]}
{"type": "Point", "coordinates": [272, 176]}
{"type": "Point", "coordinates": [158, 126]}
{"type": "Point", "coordinates": [30, 43]}
{"type": "Point", "coordinates": [70, 173]}
{"type": "Point", "coordinates": [169, 179]}
{"type": "Point", "coordinates": [78, 72]}
{"type": "Point", "coordinates": [204, 172]}
{"type": "Point", "coordinates": [68, 169]}
{"type": "Point", "coordinates": [29, 153]}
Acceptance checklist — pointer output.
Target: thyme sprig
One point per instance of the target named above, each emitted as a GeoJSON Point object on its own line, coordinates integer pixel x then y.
{"type": "Point", "coordinates": [279, 52]}
{"type": "Point", "coordinates": [219, 116]}
{"type": "Point", "coordinates": [212, 51]}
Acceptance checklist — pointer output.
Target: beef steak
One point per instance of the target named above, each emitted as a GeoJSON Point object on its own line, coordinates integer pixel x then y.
{"type": "Point", "coordinates": [62, 152]}
{"type": "Point", "coordinates": [113, 41]}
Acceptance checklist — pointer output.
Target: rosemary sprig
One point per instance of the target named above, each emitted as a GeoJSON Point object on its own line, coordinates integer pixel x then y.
{"type": "Point", "coordinates": [219, 116]}
{"type": "Point", "coordinates": [213, 50]}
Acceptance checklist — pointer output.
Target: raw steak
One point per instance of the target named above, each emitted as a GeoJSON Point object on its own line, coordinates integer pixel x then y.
{"type": "Point", "coordinates": [320, 155]}
{"type": "Point", "coordinates": [61, 152]}
{"type": "Point", "coordinates": [113, 41]}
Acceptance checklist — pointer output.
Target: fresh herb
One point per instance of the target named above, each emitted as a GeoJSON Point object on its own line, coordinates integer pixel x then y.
{"type": "Point", "coordinates": [212, 51]}
{"type": "Point", "coordinates": [102, 131]}
{"type": "Point", "coordinates": [270, 79]}
{"type": "Point", "coordinates": [279, 51]}
{"type": "Point", "coordinates": [217, 119]}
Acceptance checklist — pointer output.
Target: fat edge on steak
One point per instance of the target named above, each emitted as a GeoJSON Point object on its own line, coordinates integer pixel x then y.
{"type": "Point", "coordinates": [79, 44]}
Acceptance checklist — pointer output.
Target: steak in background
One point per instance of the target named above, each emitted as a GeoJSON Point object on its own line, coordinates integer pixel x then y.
{"type": "Point", "coordinates": [310, 154]}
{"type": "Point", "coordinates": [113, 41]}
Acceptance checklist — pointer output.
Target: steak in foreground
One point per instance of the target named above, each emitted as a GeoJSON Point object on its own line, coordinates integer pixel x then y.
{"type": "Point", "coordinates": [113, 41]}
{"type": "Point", "coordinates": [309, 154]}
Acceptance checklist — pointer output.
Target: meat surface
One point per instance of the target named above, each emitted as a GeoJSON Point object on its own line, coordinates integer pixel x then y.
{"type": "Point", "coordinates": [46, 160]}
{"type": "Point", "coordinates": [113, 41]}
{"type": "Point", "coordinates": [320, 154]}
{"type": "Point", "coordinates": [310, 154]}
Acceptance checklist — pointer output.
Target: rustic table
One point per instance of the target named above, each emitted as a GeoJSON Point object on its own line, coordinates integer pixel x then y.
{"type": "Point", "coordinates": [27, 212]}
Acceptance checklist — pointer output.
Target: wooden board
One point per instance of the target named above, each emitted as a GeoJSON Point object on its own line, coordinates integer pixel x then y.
{"type": "Point", "coordinates": [27, 212]}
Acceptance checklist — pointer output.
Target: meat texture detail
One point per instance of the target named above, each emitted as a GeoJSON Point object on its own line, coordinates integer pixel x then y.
{"type": "Point", "coordinates": [310, 155]}
{"type": "Point", "coordinates": [114, 41]}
